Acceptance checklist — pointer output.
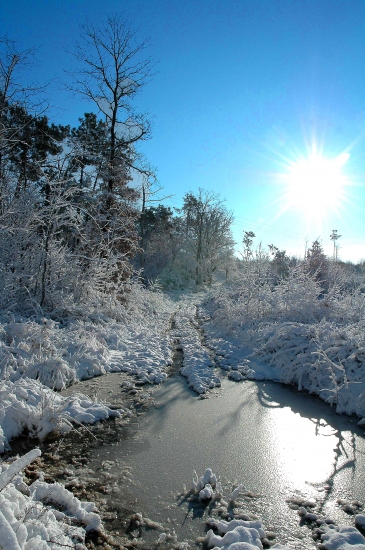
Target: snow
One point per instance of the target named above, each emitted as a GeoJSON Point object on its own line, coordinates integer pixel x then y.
{"type": "Point", "coordinates": [235, 534]}
{"type": "Point", "coordinates": [249, 534]}
{"type": "Point", "coordinates": [7, 475]}
{"type": "Point", "coordinates": [26, 522]}
{"type": "Point", "coordinates": [207, 479]}
{"type": "Point", "coordinates": [316, 344]}
{"type": "Point", "coordinates": [56, 493]}
{"type": "Point", "coordinates": [343, 538]}
{"type": "Point", "coordinates": [206, 493]}
{"type": "Point", "coordinates": [27, 404]}
{"type": "Point", "coordinates": [237, 491]}
{"type": "Point", "coordinates": [360, 521]}
{"type": "Point", "coordinates": [58, 356]}
{"type": "Point", "coordinates": [197, 362]}
{"type": "Point", "coordinates": [239, 534]}
{"type": "Point", "coordinates": [39, 356]}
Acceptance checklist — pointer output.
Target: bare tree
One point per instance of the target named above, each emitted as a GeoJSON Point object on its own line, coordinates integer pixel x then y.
{"type": "Point", "coordinates": [13, 62]}
{"type": "Point", "coordinates": [113, 71]}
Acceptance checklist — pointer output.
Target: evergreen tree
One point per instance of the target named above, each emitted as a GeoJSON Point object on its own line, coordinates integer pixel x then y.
{"type": "Point", "coordinates": [317, 262]}
{"type": "Point", "coordinates": [88, 143]}
{"type": "Point", "coordinates": [156, 227]}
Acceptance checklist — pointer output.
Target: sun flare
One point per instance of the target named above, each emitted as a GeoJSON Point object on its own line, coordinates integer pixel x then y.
{"type": "Point", "coordinates": [316, 185]}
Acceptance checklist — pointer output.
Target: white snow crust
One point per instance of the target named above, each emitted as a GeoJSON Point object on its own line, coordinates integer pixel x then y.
{"type": "Point", "coordinates": [197, 362]}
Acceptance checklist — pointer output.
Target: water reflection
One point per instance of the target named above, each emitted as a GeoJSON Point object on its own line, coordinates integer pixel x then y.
{"type": "Point", "coordinates": [273, 439]}
{"type": "Point", "coordinates": [316, 446]}
{"type": "Point", "coordinates": [304, 447]}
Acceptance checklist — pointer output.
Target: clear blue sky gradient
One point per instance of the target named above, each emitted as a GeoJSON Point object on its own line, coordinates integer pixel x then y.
{"type": "Point", "coordinates": [240, 86]}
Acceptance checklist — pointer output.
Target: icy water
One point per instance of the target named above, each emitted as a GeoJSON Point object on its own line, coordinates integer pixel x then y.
{"type": "Point", "coordinates": [276, 441]}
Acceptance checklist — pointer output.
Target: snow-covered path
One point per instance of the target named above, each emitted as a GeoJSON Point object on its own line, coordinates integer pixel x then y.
{"type": "Point", "coordinates": [197, 362]}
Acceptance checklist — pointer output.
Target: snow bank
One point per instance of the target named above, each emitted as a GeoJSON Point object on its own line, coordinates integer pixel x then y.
{"type": "Point", "coordinates": [27, 404]}
{"type": "Point", "coordinates": [323, 359]}
{"type": "Point", "coordinates": [323, 356]}
{"type": "Point", "coordinates": [27, 523]}
{"type": "Point", "coordinates": [197, 362]}
{"type": "Point", "coordinates": [58, 356]}
{"type": "Point", "coordinates": [39, 356]}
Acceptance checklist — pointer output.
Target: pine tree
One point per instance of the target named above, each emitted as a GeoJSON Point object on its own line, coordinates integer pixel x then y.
{"type": "Point", "coordinates": [317, 261]}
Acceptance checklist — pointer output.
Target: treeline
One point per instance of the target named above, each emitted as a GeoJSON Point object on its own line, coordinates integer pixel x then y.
{"type": "Point", "coordinates": [273, 266]}
{"type": "Point", "coordinates": [68, 213]}
{"type": "Point", "coordinates": [75, 217]}
{"type": "Point", "coordinates": [76, 214]}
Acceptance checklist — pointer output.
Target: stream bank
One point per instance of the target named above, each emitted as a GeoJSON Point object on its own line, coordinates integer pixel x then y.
{"type": "Point", "coordinates": [67, 459]}
{"type": "Point", "coordinates": [281, 444]}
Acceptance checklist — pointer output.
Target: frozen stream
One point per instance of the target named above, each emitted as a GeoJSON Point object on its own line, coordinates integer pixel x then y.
{"type": "Point", "coordinates": [276, 441]}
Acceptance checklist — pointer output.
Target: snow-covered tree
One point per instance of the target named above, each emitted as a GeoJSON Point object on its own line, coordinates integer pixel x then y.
{"type": "Point", "coordinates": [112, 70]}
{"type": "Point", "coordinates": [208, 238]}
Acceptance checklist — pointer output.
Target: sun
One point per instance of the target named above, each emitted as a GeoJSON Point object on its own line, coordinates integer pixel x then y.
{"type": "Point", "coordinates": [315, 185]}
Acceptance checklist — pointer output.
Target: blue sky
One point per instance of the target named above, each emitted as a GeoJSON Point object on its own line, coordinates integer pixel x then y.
{"type": "Point", "coordinates": [243, 89]}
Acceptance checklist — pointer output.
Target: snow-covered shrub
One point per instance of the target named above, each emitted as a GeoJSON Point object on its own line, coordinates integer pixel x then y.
{"type": "Point", "coordinates": [298, 297]}
{"type": "Point", "coordinates": [133, 339]}
{"type": "Point", "coordinates": [321, 358]}
{"type": "Point", "coordinates": [37, 270]}
{"type": "Point", "coordinates": [40, 355]}
{"type": "Point", "coordinates": [305, 335]}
